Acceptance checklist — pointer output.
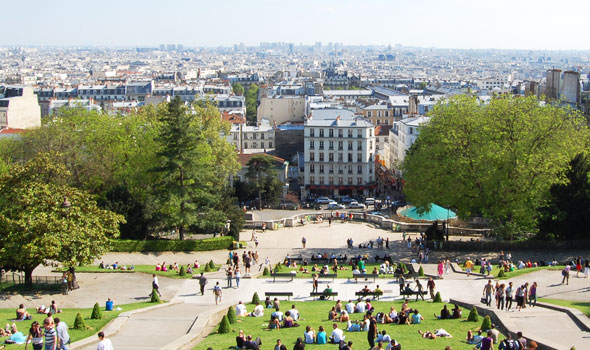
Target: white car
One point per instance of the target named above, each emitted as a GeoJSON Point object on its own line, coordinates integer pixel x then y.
{"type": "Point", "coordinates": [323, 200]}
{"type": "Point", "coordinates": [356, 205]}
{"type": "Point", "coordinates": [334, 206]}
{"type": "Point", "coordinates": [370, 201]}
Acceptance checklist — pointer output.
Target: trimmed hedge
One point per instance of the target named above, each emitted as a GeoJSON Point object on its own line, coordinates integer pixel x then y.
{"type": "Point", "coordinates": [164, 245]}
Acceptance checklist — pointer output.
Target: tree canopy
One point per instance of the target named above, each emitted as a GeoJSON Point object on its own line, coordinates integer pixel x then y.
{"type": "Point", "coordinates": [496, 160]}
{"type": "Point", "coordinates": [252, 104]}
{"type": "Point", "coordinates": [36, 226]}
{"type": "Point", "coordinates": [238, 89]}
{"type": "Point", "coordinates": [262, 177]}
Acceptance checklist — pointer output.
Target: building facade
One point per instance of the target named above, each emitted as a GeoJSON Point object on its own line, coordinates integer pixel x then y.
{"type": "Point", "coordinates": [19, 108]}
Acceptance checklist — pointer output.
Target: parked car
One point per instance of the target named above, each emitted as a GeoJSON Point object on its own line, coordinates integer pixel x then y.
{"type": "Point", "coordinates": [369, 201]}
{"type": "Point", "coordinates": [323, 200]}
{"type": "Point", "coordinates": [356, 205]}
{"type": "Point", "coordinates": [398, 203]}
{"type": "Point", "coordinates": [346, 199]}
{"type": "Point", "coordinates": [335, 206]}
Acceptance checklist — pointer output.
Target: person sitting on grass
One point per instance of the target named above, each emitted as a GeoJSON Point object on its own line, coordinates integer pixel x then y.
{"type": "Point", "coordinates": [440, 333]}
{"type": "Point", "coordinates": [241, 310]}
{"type": "Point", "coordinates": [350, 307]}
{"type": "Point", "coordinates": [42, 309]}
{"type": "Point", "coordinates": [344, 317]}
{"type": "Point", "coordinates": [445, 314]}
{"type": "Point", "coordinates": [268, 303]}
{"type": "Point", "coordinates": [274, 323]}
{"type": "Point", "coordinates": [240, 340]}
{"type": "Point", "coordinates": [393, 345]}
{"type": "Point", "coordinates": [278, 314]}
{"type": "Point", "coordinates": [360, 306]}
{"type": "Point", "coordinates": [258, 311]}
{"type": "Point", "coordinates": [370, 307]}
{"type": "Point", "coordinates": [288, 321]}
{"type": "Point", "coordinates": [321, 337]}
{"type": "Point", "coordinates": [332, 314]}
{"type": "Point", "coordinates": [353, 326]}
{"type": "Point", "coordinates": [457, 312]}
{"type": "Point", "coordinates": [337, 334]}
{"type": "Point", "coordinates": [383, 337]}
{"type": "Point", "coordinates": [252, 344]}
{"type": "Point", "coordinates": [416, 317]}
{"type": "Point", "coordinates": [294, 313]}
{"type": "Point", "coordinates": [474, 338]}
{"type": "Point", "coordinates": [189, 269]}
{"type": "Point", "coordinates": [309, 335]}
{"type": "Point", "coordinates": [53, 308]}
{"type": "Point", "coordinates": [22, 314]}
{"type": "Point", "coordinates": [16, 337]}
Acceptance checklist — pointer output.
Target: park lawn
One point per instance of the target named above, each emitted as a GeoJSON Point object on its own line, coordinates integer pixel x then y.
{"type": "Point", "coordinates": [580, 305]}
{"type": "Point", "coordinates": [347, 273]}
{"type": "Point", "coordinates": [68, 316]}
{"type": "Point", "coordinates": [151, 269]}
{"type": "Point", "coordinates": [315, 314]}
{"type": "Point", "coordinates": [517, 272]}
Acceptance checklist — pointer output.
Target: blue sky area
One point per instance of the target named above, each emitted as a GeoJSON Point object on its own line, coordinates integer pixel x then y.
{"type": "Point", "coordinates": [503, 24]}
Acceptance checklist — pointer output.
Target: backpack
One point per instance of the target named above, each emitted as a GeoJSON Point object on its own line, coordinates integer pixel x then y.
{"type": "Point", "coordinates": [510, 344]}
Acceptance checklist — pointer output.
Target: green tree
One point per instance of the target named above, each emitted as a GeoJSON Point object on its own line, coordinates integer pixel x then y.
{"type": "Point", "coordinates": [255, 298]}
{"type": "Point", "coordinates": [486, 324]}
{"type": "Point", "coordinates": [252, 104]}
{"type": "Point", "coordinates": [496, 160]}
{"type": "Point", "coordinates": [238, 89]}
{"type": "Point", "coordinates": [263, 178]}
{"type": "Point", "coordinates": [567, 214]}
{"type": "Point", "coordinates": [423, 85]}
{"type": "Point", "coordinates": [79, 322]}
{"type": "Point", "coordinates": [224, 326]}
{"type": "Point", "coordinates": [473, 315]}
{"type": "Point", "coordinates": [231, 315]}
{"type": "Point", "coordinates": [38, 224]}
{"type": "Point", "coordinates": [96, 312]}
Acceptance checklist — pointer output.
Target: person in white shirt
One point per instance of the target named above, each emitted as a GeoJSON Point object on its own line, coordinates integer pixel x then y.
{"type": "Point", "coordinates": [383, 337]}
{"type": "Point", "coordinates": [309, 335]}
{"type": "Point", "coordinates": [360, 307]}
{"type": "Point", "coordinates": [278, 314]}
{"type": "Point", "coordinates": [337, 334]}
{"type": "Point", "coordinates": [350, 307]}
{"type": "Point", "coordinates": [241, 309]}
{"type": "Point", "coordinates": [258, 311]}
{"type": "Point", "coordinates": [104, 344]}
{"type": "Point", "coordinates": [294, 313]}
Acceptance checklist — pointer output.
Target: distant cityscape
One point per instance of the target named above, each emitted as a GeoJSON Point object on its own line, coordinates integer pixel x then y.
{"type": "Point", "coordinates": [345, 115]}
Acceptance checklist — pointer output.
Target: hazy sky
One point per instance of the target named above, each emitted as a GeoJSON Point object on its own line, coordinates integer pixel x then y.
{"type": "Point", "coordinates": [505, 24]}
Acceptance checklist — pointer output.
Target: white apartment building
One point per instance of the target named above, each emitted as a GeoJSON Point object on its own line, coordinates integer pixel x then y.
{"type": "Point", "coordinates": [339, 154]}
{"type": "Point", "coordinates": [401, 137]}
{"type": "Point", "coordinates": [252, 139]}
{"type": "Point", "coordinates": [19, 108]}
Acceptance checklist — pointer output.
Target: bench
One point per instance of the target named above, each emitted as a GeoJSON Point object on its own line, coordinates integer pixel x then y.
{"type": "Point", "coordinates": [279, 294]}
{"type": "Point", "coordinates": [402, 293]}
{"type": "Point", "coordinates": [364, 294]}
{"type": "Point", "coordinates": [319, 294]}
{"type": "Point", "coordinates": [282, 275]}
{"type": "Point", "coordinates": [328, 275]}
{"type": "Point", "coordinates": [363, 275]}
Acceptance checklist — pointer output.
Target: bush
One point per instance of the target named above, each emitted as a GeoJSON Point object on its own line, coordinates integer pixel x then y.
{"type": "Point", "coordinates": [79, 322]}
{"type": "Point", "coordinates": [211, 265]}
{"type": "Point", "coordinates": [231, 315]}
{"type": "Point", "coordinates": [165, 245]}
{"type": "Point", "coordinates": [403, 266]}
{"type": "Point", "coordinates": [486, 324]}
{"type": "Point", "coordinates": [265, 272]}
{"type": "Point", "coordinates": [182, 271]}
{"type": "Point", "coordinates": [96, 313]}
{"type": "Point", "coordinates": [501, 273]}
{"type": "Point", "coordinates": [421, 271]}
{"type": "Point", "coordinates": [224, 326]}
{"type": "Point", "coordinates": [255, 298]}
{"type": "Point", "coordinates": [207, 268]}
{"type": "Point", "coordinates": [473, 315]}
{"type": "Point", "coordinates": [437, 298]}
{"type": "Point", "coordinates": [155, 296]}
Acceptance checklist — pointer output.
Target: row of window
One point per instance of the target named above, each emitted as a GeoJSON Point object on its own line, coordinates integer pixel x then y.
{"type": "Point", "coordinates": [339, 169]}
{"type": "Point", "coordinates": [349, 157]}
{"type": "Point", "coordinates": [340, 145]}
{"type": "Point", "coordinates": [322, 181]}
{"type": "Point", "coordinates": [331, 132]}
{"type": "Point", "coordinates": [255, 145]}
{"type": "Point", "coordinates": [378, 114]}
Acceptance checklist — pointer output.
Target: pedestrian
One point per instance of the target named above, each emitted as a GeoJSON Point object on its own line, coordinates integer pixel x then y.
{"type": "Point", "coordinates": [303, 242]}
{"type": "Point", "coordinates": [520, 292]}
{"type": "Point", "coordinates": [500, 296]}
{"type": "Point", "coordinates": [440, 268]}
{"type": "Point", "coordinates": [155, 285]}
{"type": "Point", "coordinates": [247, 263]}
{"type": "Point", "coordinates": [256, 241]}
{"type": "Point", "coordinates": [566, 274]}
{"type": "Point", "coordinates": [387, 243]}
{"type": "Point", "coordinates": [237, 276]}
{"type": "Point", "coordinates": [202, 283]}
{"type": "Point", "coordinates": [263, 227]}
{"type": "Point", "coordinates": [50, 335]}
{"type": "Point", "coordinates": [315, 283]}
{"type": "Point", "coordinates": [372, 333]}
{"type": "Point", "coordinates": [419, 290]}
{"type": "Point", "coordinates": [64, 283]}
{"type": "Point", "coordinates": [217, 293]}
{"type": "Point", "coordinates": [533, 295]}
{"type": "Point", "coordinates": [329, 222]}
{"type": "Point", "coordinates": [35, 336]}
{"type": "Point", "coordinates": [63, 337]}
{"type": "Point", "coordinates": [578, 266]}
{"type": "Point", "coordinates": [508, 293]}
{"type": "Point", "coordinates": [488, 290]}
{"type": "Point", "coordinates": [430, 285]}
{"type": "Point", "coordinates": [586, 268]}
{"type": "Point", "coordinates": [229, 275]}
{"type": "Point", "coordinates": [103, 344]}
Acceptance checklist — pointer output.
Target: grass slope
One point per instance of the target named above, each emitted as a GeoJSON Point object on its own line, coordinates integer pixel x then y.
{"type": "Point", "coordinates": [151, 269]}
{"type": "Point", "coordinates": [315, 314]}
{"type": "Point", "coordinates": [68, 316]}
{"type": "Point", "coordinates": [346, 273]}
{"type": "Point", "coordinates": [580, 305]}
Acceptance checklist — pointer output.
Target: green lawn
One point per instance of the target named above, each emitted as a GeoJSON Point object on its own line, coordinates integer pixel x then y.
{"type": "Point", "coordinates": [151, 269]}
{"type": "Point", "coordinates": [346, 273]}
{"type": "Point", "coordinates": [516, 272]}
{"type": "Point", "coordinates": [315, 314]}
{"type": "Point", "coordinates": [68, 315]}
{"type": "Point", "coordinates": [580, 305]}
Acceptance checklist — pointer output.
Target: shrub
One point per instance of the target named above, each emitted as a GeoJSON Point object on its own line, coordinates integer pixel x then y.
{"type": "Point", "coordinates": [155, 296]}
{"type": "Point", "coordinates": [437, 298]}
{"type": "Point", "coordinates": [421, 271]}
{"type": "Point", "coordinates": [96, 313]}
{"type": "Point", "coordinates": [165, 245]}
{"type": "Point", "coordinates": [207, 268]}
{"type": "Point", "coordinates": [255, 298]}
{"type": "Point", "coordinates": [486, 324]}
{"type": "Point", "coordinates": [403, 266]}
{"type": "Point", "coordinates": [473, 315]}
{"type": "Point", "coordinates": [224, 326]}
{"type": "Point", "coordinates": [182, 271]}
{"type": "Point", "coordinates": [211, 265]}
{"type": "Point", "coordinates": [265, 272]}
{"type": "Point", "coordinates": [231, 315]}
{"type": "Point", "coordinates": [79, 322]}
{"type": "Point", "coordinates": [501, 273]}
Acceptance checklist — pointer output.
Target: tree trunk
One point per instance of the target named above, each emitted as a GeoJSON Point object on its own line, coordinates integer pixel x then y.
{"type": "Point", "coordinates": [74, 285]}
{"type": "Point", "coordinates": [29, 276]}
{"type": "Point", "coordinates": [181, 231]}
{"type": "Point", "coordinates": [259, 200]}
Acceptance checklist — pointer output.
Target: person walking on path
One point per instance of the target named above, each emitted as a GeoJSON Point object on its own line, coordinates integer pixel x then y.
{"type": "Point", "coordinates": [431, 285]}
{"type": "Point", "coordinates": [586, 268]}
{"type": "Point", "coordinates": [419, 290]}
{"type": "Point", "coordinates": [217, 293]}
{"type": "Point", "coordinates": [509, 291]}
{"type": "Point", "coordinates": [315, 283]}
{"type": "Point", "coordinates": [441, 268]}
{"type": "Point", "coordinates": [35, 337]}
{"type": "Point", "coordinates": [500, 296]}
{"type": "Point", "coordinates": [104, 344]}
{"type": "Point", "coordinates": [303, 242]}
{"type": "Point", "coordinates": [202, 283]}
{"type": "Point", "coordinates": [63, 337]}
{"type": "Point", "coordinates": [578, 266]}
{"type": "Point", "coordinates": [229, 275]}
{"type": "Point", "coordinates": [372, 333]}
{"type": "Point", "coordinates": [488, 290]}
{"type": "Point", "coordinates": [533, 295]}
{"type": "Point", "coordinates": [468, 266]}
{"type": "Point", "coordinates": [155, 285]}
{"type": "Point", "coordinates": [566, 275]}
{"type": "Point", "coordinates": [237, 276]}
{"type": "Point", "coordinates": [50, 335]}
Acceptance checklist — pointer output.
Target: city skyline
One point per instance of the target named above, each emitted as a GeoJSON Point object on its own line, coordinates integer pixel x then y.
{"type": "Point", "coordinates": [458, 24]}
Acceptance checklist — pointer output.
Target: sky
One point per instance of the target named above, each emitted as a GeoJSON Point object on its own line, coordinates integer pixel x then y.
{"type": "Point", "coordinates": [463, 24]}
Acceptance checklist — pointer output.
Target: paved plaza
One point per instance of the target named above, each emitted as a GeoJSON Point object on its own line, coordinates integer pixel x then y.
{"type": "Point", "coordinates": [180, 317]}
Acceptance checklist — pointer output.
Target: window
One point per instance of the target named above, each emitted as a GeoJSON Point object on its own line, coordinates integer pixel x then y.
{"type": "Point", "coordinates": [321, 168]}
{"type": "Point", "coordinates": [369, 114]}
{"type": "Point", "coordinates": [321, 180]}
{"type": "Point", "coordinates": [254, 145]}
{"type": "Point", "coordinates": [340, 132]}
{"type": "Point", "coordinates": [321, 144]}
{"type": "Point", "coordinates": [350, 157]}
{"type": "Point", "coordinates": [340, 170]}
{"type": "Point", "coordinates": [359, 145]}
{"type": "Point", "coordinates": [311, 180]}
{"type": "Point", "coordinates": [359, 157]}
{"type": "Point", "coordinates": [350, 180]}
{"type": "Point", "coordinates": [340, 180]}
{"type": "Point", "coordinates": [387, 113]}
{"type": "Point", "coordinates": [349, 132]}
{"type": "Point", "coordinates": [321, 132]}
{"type": "Point", "coordinates": [331, 133]}
{"type": "Point", "coordinates": [330, 180]}
{"type": "Point", "coordinates": [331, 169]}
{"type": "Point", "coordinates": [312, 132]}
{"type": "Point", "coordinates": [350, 169]}
{"type": "Point", "coordinates": [331, 145]}
{"type": "Point", "coordinates": [359, 180]}
{"type": "Point", "coordinates": [321, 156]}
{"type": "Point", "coordinates": [340, 159]}
{"type": "Point", "coordinates": [312, 168]}
{"type": "Point", "coordinates": [371, 132]}
{"type": "Point", "coordinates": [311, 144]}
{"type": "Point", "coordinates": [359, 133]}
{"type": "Point", "coordinates": [312, 156]}
{"type": "Point", "coordinates": [262, 136]}
{"type": "Point", "coordinates": [262, 145]}
{"type": "Point", "coordinates": [269, 144]}
{"type": "Point", "coordinates": [411, 131]}
{"type": "Point", "coordinates": [340, 147]}
{"type": "Point", "coordinates": [370, 144]}
{"type": "Point", "coordinates": [359, 169]}
{"type": "Point", "coordinates": [330, 157]}
{"type": "Point", "coordinates": [350, 145]}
